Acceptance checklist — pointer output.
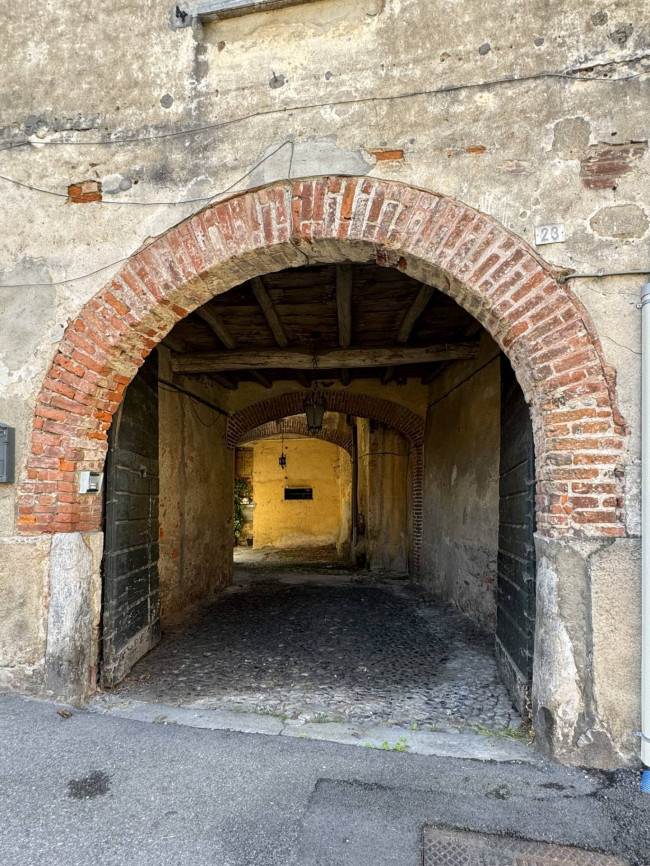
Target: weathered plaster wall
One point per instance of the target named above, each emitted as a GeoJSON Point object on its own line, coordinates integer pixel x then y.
{"type": "Point", "coordinates": [384, 534]}
{"type": "Point", "coordinates": [196, 496]}
{"type": "Point", "coordinates": [324, 520]}
{"type": "Point", "coordinates": [24, 587]}
{"type": "Point", "coordinates": [587, 670]}
{"type": "Point", "coordinates": [564, 153]}
{"type": "Point", "coordinates": [544, 149]}
{"type": "Point", "coordinates": [461, 485]}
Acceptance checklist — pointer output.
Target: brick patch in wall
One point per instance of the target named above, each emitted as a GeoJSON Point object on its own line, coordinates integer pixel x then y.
{"type": "Point", "coordinates": [84, 192]}
{"type": "Point", "coordinates": [602, 168]}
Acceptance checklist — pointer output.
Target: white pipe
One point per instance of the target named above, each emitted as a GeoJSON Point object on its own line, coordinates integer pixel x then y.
{"type": "Point", "coordinates": [645, 524]}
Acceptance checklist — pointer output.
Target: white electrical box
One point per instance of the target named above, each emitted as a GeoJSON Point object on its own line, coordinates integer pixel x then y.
{"type": "Point", "coordinates": [90, 482]}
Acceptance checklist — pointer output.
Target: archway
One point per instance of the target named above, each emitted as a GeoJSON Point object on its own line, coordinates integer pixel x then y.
{"type": "Point", "coordinates": [393, 415]}
{"type": "Point", "coordinates": [294, 493]}
{"type": "Point", "coordinates": [535, 320]}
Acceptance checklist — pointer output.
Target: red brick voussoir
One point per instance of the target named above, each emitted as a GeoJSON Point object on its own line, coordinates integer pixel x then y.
{"type": "Point", "coordinates": [538, 322]}
{"type": "Point", "coordinates": [298, 427]}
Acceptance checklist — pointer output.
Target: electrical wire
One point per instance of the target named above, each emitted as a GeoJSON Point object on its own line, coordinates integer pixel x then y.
{"type": "Point", "coordinates": [171, 386]}
{"type": "Point", "coordinates": [567, 75]}
{"type": "Point", "coordinates": [466, 379]}
{"type": "Point", "coordinates": [155, 240]}
{"type": "Point", "coordinates": [199, 200]}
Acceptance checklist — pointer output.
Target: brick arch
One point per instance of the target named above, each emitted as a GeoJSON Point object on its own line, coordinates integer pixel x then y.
{"type": "Point", "coordinates": [410, 425]}
{"type": "Point", "coordinates": [493, 274]}
{"type": "Point", "coordinates": [296, 426]}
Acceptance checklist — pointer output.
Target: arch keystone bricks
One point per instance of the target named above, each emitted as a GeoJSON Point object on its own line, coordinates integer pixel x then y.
{"type": "Point", "coordinates": [541, 326]}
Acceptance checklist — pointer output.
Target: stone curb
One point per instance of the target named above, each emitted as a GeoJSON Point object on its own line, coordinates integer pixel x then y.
{"type": "Point", "coordinates": [448, 745]}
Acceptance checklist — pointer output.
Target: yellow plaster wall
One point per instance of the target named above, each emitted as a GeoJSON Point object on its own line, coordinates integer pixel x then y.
{"type": "Point", "coordinates": [302, 523]}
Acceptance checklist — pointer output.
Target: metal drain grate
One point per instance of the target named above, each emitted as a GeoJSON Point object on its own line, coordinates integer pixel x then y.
{"type": "Point", "coordinates": [443, 847]}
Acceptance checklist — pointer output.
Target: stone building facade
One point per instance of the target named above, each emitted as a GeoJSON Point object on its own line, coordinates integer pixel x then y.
{"type": "Point", "coordinates": [155, 156]}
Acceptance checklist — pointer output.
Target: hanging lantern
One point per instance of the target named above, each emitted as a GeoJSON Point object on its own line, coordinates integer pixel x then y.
{"type": "Point", "coordinates": [282, 459]}
{"type": "Point", "coordinates": [315, 403]}
{"type": "Point", "coordinates": [315, 406]}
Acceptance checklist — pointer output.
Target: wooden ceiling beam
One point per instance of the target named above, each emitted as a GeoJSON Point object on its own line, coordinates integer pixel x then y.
{"type": "Point", "coordinates": [214, 321]}
{"type": "Point", "coordinates": [344, 303]}
{"type": "Point", "coordinates": [260, 378]}
{"type": "Point", "coordinates": [414, 312]}
{"type": "Point", "coordinates": [299, 359]}
{"type": "Point", "coordinates": [270, 313]}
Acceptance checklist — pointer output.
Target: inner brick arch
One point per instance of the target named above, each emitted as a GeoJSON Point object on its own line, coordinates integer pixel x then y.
{"type": "Point", "coordinates": [296, 427]}
{"type": "Point", "coordinates": [406, 422]}
{"type": "Point", "coordinates": [540, 325]}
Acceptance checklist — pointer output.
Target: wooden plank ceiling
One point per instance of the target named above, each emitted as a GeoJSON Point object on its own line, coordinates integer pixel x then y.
{"type": "Point", "coordinates": [363, 320]}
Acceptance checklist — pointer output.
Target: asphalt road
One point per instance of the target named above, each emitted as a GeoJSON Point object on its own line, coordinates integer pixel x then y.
{"type": "Point", "coordinates": [95, 789]}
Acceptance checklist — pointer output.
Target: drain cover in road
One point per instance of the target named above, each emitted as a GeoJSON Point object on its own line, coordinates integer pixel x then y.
{"type": "Point", "coordinates": [444, 847]}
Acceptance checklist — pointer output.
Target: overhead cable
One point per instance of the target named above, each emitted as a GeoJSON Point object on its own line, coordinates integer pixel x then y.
{"type": "Point", "coordinates": [567, 75]}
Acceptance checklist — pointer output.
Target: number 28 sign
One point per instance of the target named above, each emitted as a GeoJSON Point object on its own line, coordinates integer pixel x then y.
{"type": "Point", "coordinates": [551, 234]}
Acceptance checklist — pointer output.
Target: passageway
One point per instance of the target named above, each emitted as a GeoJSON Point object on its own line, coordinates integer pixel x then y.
{"type": "Point", "coordinates": [327, 644]}
{"type": "Point", "coordinates": [360, 442]}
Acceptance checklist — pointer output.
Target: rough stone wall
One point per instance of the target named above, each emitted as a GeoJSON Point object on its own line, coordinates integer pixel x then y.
{"type": "Point", "coordinates": [300, 523]}
{"type": "Point", "coordinates": [461, 485]}
{"type": "Point", "coordinates": [587, 670]}
{"type": "Point", "coordinates": [196, 496]}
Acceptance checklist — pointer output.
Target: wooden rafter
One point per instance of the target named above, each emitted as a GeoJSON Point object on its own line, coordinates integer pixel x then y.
{"type": "Point", "coordinates": [414, 312]}
{"type": "Point", "coordinates": [214, 321]}
{"type": "Point", "coordinates": [260, 378]}
{"type": "Point", "coordinates": [224, 381]}
{"type": "Point", "coordinates": [270, 313]}
{"type": "Point", "coordinates": [174, 343]}
{"type": "Point", "coordinates": [255, 359]}
{"type": "Point", "coordinates": [344, 303]}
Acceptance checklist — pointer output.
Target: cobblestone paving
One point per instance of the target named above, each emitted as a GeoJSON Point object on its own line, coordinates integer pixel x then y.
{"type": "Point", "coordinates": [337, 645]}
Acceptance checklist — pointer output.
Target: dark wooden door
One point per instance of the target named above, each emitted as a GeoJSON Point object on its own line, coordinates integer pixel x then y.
{"type": "Point", "coordinates": [131, 604]}
{"type": "Point", "coordinates": [515, 631]}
